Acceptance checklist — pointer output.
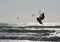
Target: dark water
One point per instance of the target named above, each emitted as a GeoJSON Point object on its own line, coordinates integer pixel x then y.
{"type": "Point", "coordinates": [29, 34]}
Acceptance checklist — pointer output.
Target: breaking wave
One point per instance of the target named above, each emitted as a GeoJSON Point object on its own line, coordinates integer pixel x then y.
{"type": "Point", "coordinates": [30, 31]}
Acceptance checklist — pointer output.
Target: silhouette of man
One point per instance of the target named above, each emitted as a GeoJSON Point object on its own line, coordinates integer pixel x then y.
{"type": "Point", "coordinates": [41, 17]}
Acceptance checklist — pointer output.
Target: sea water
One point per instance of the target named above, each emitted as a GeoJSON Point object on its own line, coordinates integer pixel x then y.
{"type": "Point", "coordinates": [11, 33]}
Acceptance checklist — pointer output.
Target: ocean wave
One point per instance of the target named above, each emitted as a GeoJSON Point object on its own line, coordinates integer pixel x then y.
{"type": "Point", "coordinates": [32, 31]}
{"type": "Point", "coordinates": [30, 36]}
{"type": "Point", "coordinates": [37, 24]}
{"type": "Point", "coordinates": [30, 25]}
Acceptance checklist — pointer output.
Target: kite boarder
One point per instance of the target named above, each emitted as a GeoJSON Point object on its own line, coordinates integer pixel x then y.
{"type": "Point", "coordinates": [40, 18]}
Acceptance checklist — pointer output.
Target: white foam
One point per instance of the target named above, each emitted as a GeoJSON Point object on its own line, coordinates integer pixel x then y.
{"type": "Point", "coordinates": [18, 41]}
{"type": "Point", "coordinates": [30, 24]}
{"type": "Point", "coordinates": [37, 24]}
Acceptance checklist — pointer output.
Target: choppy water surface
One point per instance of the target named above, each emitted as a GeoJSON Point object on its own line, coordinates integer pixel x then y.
{"type": "Point", "coordinates": [29, 34]}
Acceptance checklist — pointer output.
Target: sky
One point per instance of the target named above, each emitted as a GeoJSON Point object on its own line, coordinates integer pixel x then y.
{"type": "Point", "coordinates": [11, 9]}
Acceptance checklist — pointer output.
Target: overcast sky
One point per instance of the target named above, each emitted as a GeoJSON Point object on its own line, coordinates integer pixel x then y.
{"type": "Point", "coordinates": [11, 9]}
